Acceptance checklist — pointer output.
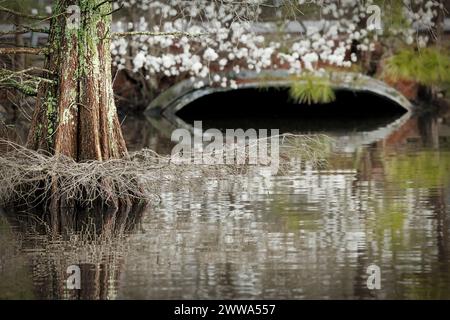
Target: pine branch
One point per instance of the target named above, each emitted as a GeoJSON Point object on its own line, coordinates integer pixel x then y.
{"type": "Point", "coordinates": [22, 81]}
{"type": "Point", "coordinates": [23, 50]}
{"type": "Point", "coordinates": [21, 14]}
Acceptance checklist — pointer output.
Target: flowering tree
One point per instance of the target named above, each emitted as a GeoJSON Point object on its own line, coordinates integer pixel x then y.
{"type": "Point", "coordinates": [225, 37]}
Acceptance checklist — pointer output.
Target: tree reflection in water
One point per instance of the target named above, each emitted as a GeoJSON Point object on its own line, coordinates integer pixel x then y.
{"type": "Point", "coordinates": [95, 241]}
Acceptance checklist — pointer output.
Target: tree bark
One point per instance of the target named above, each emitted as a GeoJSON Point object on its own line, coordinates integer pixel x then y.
{"type": "Point", "coordinates": [77, 117]}
{"type": "Point", "coordinates": [19, 59]}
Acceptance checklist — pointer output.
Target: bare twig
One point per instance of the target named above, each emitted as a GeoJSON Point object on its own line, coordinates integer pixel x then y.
{"type": "Point", "coordinates": [156, 34]}
{"type": "Point", "coordinates": [24, 50]}
{"type": "Point", "coordinates": [24, 30]}
{"type": "Point", "coordinates": [23, 15]}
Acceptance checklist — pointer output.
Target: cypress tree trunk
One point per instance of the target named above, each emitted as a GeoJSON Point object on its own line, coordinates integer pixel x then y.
{"type": "Point", "coordinates": [77, 117]}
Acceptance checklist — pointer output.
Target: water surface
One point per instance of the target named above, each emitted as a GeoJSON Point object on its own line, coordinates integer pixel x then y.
{"type": "Point", "coordinates": [383, 199]}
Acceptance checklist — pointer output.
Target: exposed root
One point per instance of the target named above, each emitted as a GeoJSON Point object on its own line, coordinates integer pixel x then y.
{"type": "Point", "coordinates": [31, 177]}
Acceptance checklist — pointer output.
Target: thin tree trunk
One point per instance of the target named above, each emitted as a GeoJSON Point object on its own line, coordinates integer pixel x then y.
{"type": "Point", "coordinates": [19, 59]}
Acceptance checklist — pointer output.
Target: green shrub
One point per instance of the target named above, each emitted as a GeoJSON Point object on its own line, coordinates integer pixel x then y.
{"type": "Point", "coordinates": [429, 66]}
{"type": "Point", "coordinates": [311, 89]}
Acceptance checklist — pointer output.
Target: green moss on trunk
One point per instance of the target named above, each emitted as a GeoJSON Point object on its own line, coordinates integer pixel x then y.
{"type": "Point", "coordinates": [77, 115]}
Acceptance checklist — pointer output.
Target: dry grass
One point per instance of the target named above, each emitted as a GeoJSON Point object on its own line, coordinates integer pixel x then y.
{"type": "Point", "coordinates": [32, 177]}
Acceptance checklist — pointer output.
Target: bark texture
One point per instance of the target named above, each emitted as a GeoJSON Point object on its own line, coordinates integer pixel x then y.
{"type": "Point", "coordinates": [77, 117]}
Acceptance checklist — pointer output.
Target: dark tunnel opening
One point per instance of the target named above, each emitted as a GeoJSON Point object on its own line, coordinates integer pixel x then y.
{"type": "Point", "coordinates": [273, 108]}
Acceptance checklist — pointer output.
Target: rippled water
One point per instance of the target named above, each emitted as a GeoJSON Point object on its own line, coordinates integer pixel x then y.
{"type": "Point", "coordinates": [383, 199]}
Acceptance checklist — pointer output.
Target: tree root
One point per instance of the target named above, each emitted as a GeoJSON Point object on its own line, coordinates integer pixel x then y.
{"type": "Point", "coordinates": [34, 178]}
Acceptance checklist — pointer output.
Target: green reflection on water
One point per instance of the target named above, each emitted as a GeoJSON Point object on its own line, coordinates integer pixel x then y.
{"type": "Point", "coordinates": [424, 169]}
